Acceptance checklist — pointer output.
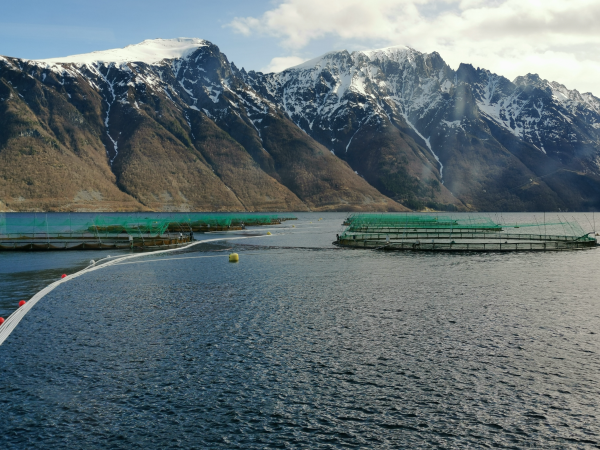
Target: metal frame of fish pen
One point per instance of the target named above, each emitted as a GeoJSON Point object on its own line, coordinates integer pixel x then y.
{"type": "Point", "coordinates": [105, 231]}
{"type": "Point", "coordinates": [207, 222]}
{"type": "Point", "coordinates": [98, 239]}
{"type": "Point", "coordinates": [447, 234]}
{"type": "Point", "coordinates": [58, 242]}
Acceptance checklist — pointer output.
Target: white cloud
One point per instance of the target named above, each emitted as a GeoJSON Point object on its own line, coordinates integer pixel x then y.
{"type": "Point", "coordinates": [558, 39]}
{"type": "Point", "coordinates": [281, 63]}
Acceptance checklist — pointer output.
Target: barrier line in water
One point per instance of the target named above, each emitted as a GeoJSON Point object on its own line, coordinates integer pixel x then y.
{"type": "Point", "coordinates": [13, 320]}
{"type": "Point", "coordinates": [170, 259]}
{"type": "Point", "coordinates": [213, 256]}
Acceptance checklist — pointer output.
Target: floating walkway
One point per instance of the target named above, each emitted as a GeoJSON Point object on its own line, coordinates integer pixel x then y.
{"type": "Point", "coordinates": [83, 231]}
{"type": "Point", "coordinates": [433, 233]}
{"type": "Point", "coordinates": [91, 242]}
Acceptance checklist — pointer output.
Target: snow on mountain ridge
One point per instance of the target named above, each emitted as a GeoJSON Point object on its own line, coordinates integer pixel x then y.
{"type": "Point", "coordinates": [572, 97]}
{"type": "Point", "coordinates": [316, 62]}
{"type": "Point", "coordinates": [150, 51]}
{"type": "Point", "coordinates": [403, 119]}
{"type": "Point", "coordinates": [396, 53]}
{"type": "Point", "coordinates": [541, 112]}
{"type": "Point", "coordinates": [336, 95]}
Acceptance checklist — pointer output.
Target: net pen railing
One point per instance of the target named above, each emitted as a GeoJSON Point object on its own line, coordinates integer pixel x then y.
{"type": "Point", "coordinates": [426, 234]}
{"type": "Point", "coordinates": [459, 232]}
{"type": "Point", "coordinates": [475, 246]}
{"type": "Point", "coordinates": [73, 227]}
{"type": "Point", "coordinates": [408, 220]}
{"type": "Point", "coordinates": [76, 225]}
{"type": "Point", "coordinates": [38, 231]}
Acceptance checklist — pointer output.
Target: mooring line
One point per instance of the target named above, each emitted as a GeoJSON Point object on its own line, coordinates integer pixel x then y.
{"type": "Point", "coordinates": [170, 259]}
{"type": "Point", "coordinates": [13, 320]}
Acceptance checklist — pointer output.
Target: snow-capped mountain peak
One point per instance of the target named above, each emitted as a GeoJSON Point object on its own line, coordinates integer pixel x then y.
{"type": "Point", "coordinates": [319, 62]}
{"type": "Point", "coordinates": [396, 53]}
{"type": "Point", "coordinates": [349, 101]}
{"type": "Point", "coordinates": [408, 123]}
{"type": "Point", "coordinates": [150, 51]}
{"type": "Point", "coordinates": [332, 97]}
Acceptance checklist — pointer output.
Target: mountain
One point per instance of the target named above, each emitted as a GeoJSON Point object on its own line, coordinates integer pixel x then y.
{"type": "Point", "coordinates": [172, 125]}
{"type": "Point", "coordinates": [165, 125]}
{"type": "Point", "coordinates": [414, 128]}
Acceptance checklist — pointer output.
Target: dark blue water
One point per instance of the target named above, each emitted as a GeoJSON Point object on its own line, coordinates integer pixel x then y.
{"type": "Point", "coordinates": [302, 345]}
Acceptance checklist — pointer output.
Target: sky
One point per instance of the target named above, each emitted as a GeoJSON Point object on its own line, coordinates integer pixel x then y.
{"type": "Point", "coordinates": [559, 40]}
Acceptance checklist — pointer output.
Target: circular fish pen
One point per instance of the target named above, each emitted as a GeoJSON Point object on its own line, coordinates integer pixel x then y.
{"type": "Point", "coordinates": [146, 231]}
{"type": "Point", "coordinates": [435, 233]}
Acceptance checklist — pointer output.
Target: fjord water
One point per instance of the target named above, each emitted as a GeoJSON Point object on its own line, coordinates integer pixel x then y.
{"type": "Point", "coordinates": [304, 345]}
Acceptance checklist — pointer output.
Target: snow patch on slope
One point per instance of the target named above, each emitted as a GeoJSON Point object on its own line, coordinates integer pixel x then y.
{"type": "Point", "coordinates": [150, 51]}
{"type": "Point", "coordinates": [315, 63]}
{"type": "Point", "coordinates": [397, 53]}
{"type": "Point", "coordinates": [428, 146]}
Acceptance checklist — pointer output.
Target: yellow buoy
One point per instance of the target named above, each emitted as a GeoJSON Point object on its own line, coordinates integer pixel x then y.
{"type": "Point", "coordinates": [234, 257]}
{"type": "Point", "coordinates": [268, 233]}
{"type": "Point", "coordinates": [293, 226]}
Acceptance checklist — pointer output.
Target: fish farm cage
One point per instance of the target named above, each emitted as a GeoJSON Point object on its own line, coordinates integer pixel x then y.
{"type": "Point", "coordinates": [466, 233]}
{"type": "Point", "coordinates": [145, 231]}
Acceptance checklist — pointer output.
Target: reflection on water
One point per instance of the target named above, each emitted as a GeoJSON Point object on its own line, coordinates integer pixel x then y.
{"type": "Point", "coordinates": [305, 345]}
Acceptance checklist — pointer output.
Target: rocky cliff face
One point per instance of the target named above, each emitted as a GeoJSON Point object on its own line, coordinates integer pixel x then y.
{"type": "Point", "coordinates": [173, 125]}
{"type": "Point", "coordinates": [421, 132]}
{"type": "Point", "coordinates": [180, 131]}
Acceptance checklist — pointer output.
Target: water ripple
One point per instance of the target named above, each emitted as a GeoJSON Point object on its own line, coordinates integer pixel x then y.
{"type": "Point", "coordinates": [304, 349]}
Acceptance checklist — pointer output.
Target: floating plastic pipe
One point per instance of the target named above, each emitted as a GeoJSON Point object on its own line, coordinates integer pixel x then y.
{"type": "Point", "coordinates": [8, 325]}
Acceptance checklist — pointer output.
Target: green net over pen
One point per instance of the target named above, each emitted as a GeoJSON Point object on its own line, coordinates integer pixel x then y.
{"type": "Point", "coordinates": [378, 221]}
{"type": "Point", "coordinates": [73, 225]}
{"type": "Point", "coordinates": [223, 220]}
{"type": "Point", "coordinates": [14, 225]}
{"type": "Point", "coordinates": [73, 231]}
{"type": "Point", "coordinates": [460, 232]}
{"type": "Point", "coordinates": [2, 224]}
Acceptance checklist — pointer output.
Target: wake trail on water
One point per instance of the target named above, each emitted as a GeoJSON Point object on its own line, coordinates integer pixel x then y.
{"type": "Point", "coordinates": [13, 320]}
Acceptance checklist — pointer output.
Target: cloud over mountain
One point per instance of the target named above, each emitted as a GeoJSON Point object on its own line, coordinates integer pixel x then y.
{"type": "Point", "coordinates": [558, 39]}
